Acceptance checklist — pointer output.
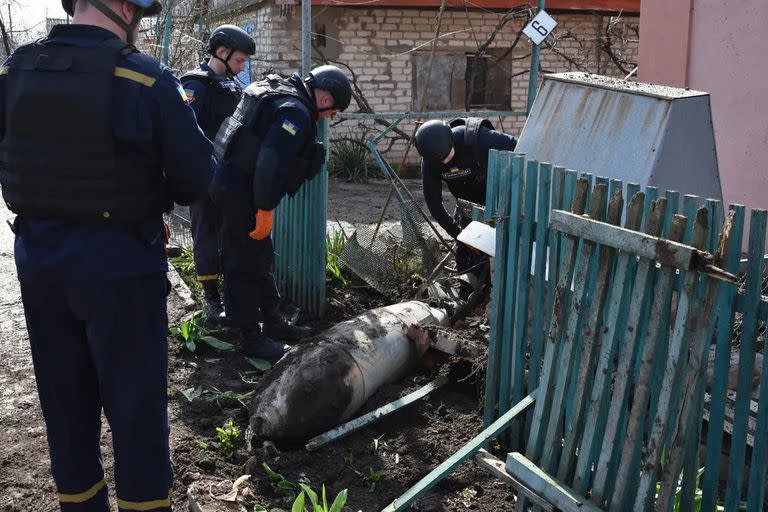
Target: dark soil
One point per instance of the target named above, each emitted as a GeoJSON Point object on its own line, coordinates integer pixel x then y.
{"type": "Point", "coordinates": [401, 448]}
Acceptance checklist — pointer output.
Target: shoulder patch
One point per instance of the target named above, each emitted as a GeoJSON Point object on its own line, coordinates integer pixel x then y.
{"type": "Point", "coordinates": [190, 93]}
{"type": "Point", "coordinates": [290, 127]}
{"type": "Point", "coordinates": [183, 94]}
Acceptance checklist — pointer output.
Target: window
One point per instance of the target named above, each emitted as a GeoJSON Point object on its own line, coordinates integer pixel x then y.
{"type": "Point", "coordinates": [463, 81]}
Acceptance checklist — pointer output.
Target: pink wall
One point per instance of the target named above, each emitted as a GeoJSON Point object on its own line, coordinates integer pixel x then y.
{"type": "Point", "coordinates": [727, 56]}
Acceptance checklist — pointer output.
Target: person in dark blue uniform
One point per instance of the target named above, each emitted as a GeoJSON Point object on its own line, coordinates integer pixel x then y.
{"type": "Point", "coordinates": [213, 92]}
{"type": "Point", "coordinates": [96, 142]}
{"type": "Point", "coordinates": [457, 154]}
{"type": "Point", "coordinates": [267, 150]}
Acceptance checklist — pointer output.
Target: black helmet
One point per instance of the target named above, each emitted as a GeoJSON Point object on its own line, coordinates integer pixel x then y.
{"type": "Point", "coordinates": [150, 7]}
{"type": "Point", "coordinates": [333, 80]}
{"type": "Point", "coordinates": [232, 37]}
{"type": "Point", "coordinates": [434, 140]}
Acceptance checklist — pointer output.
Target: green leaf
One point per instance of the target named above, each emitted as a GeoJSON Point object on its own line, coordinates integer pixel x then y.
{"type": "Point", "coordinates": [192, 394]}
{"type": "Point", "coordinates": [217, 343]}
{"type": "Point", "coordinates": [259, 508]}
{"type": "Point", "coordinates": [325, 501]}
{"type": "Point", "coordinates": [286, 485]}
{"type": "Point", "coordinates": [273, 475]}
{"type": "Point", "coordinates": [312, 496]}
{"type": "Point", "coordinates": [298, 505]}
{"type": "Point", "coordinates": [185, 329]}
{"type": "Point", "coordinates": [339, 502]}
{"type": "Point", "coordinates": [191, 345]}
{"type": "Point", "coordinates": [259, 364]}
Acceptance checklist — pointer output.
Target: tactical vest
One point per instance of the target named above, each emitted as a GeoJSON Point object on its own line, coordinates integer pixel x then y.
{"type": "Point", "coordinates": [465, 176]}
{"type": "Point", "coordinates": [58, 157]}
{"type": "Point", "coordinates": [223, 95]}
{"type": "Point", "coordinates": [239, 139]}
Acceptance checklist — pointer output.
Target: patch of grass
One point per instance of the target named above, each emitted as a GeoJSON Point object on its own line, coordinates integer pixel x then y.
{"type": "Point", "coordinates": [185, 266]}
{"type": "Point", "coordinates": [334, 245]}
{"type": "Point", "coordinates": [350, 160]}
{"type": "Point", "coordinates": [230, 438]}
{"type": "Point", "coordinates": [317, 505]}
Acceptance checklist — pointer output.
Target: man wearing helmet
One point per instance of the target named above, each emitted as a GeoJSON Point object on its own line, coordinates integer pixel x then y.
{"type": "Point", "coordinates": [96, 142]}
{"type": "Point", "coordinates": [213, 93]}
{"type": "Point", "coordinates": [457, 154]}
{"type": "Point", "coordinates": [267, 150]}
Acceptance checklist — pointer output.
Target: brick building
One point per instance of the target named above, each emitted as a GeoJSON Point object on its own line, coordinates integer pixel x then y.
{"type": "Point", "coordinates": [481, 60]}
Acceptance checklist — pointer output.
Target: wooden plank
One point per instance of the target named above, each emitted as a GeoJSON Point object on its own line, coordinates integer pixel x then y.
{"type": "Point", "coordinates": [497, 468]}
{"type": "Point", "coordinates": [552, 348]}
{"type": "Point", "coordinates": [667, 414]}
{"type": "Point", "coordinates": [540, 271]}
{"type": "Point", "coordinates": [684, 447]}
{"type": "Point", "coordinates": [528, 211]}
{"type": "Point", "coordinates": [604, 470]}
{"type": "Point", "coordinates": [597, 407]}
{"type": "Point", "coordinates": [501, 178]}
{"type": "Point", "coordinates": [645, 246]}
{"type": "Point", "coordinates": [653, 338]}
{"type": "Point", "coordinates": [570, 339]}
{"type": "Point", "coordinates": [491, 188]}
{"type": "Point", "coordinates": [586, 368]}
{"type": "Point", "coordinates": [651, 194]}
{"type": "Point", "coordinates": [539, 481]}
{"type": "Point", "coordinates": [757, 467]}
{"type": "Point", "coordinates": [715, 209]}
{"type": "Point", "coordinates": [512, 226]}
{"type": "Point", "coordinates": [366, 419]}
{"type": "Point", "coordinates": [673, 203]}
{"type": "Point", "coordinates": [754, 280]}
{"type": "Point", "coordinates": [465, 452]}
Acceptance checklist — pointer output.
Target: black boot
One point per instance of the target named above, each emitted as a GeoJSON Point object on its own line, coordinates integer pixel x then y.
{"type": "Point", "coordinates": [277, 326]}
{"type": "Point", "coordinates": [213, 310]}
{"type": "Point", "coordinates": [256, 344]}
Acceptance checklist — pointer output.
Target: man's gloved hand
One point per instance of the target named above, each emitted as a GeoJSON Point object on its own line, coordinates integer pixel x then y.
{"type": "Point", "coordinates": [263, 225]}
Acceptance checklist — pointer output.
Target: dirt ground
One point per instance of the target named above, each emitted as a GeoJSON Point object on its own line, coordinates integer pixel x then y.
{"type": "Point", "coordinates": [376, 464]}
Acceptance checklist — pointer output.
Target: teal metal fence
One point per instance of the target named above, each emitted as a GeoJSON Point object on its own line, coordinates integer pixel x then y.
{"type": "Point", "coordinates": [300, 238]}
{"type": "Point", "coordinates": [529, 256]}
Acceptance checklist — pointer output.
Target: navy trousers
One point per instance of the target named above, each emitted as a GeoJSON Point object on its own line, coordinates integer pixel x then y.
{"type": "Point", "coordinates": [206, 222]}
{"type": "Point", "coordinates": [101, 344]}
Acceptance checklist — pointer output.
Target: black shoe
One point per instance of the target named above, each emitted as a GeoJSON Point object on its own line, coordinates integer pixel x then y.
{"type": "Point", "coordinates": [256, 344]}
{"type": "Point", "coordinates": [213, 313]}
{"type": "Point", "coordinates": [278, 327]}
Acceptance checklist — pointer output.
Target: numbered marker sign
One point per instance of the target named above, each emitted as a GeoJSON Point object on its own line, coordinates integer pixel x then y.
{"type": "Point", "coordinates": [540, 27]}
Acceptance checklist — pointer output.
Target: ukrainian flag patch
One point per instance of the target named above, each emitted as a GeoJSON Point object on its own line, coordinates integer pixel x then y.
{"type": "Point", "coordinates": [190, 94]}
{"type": "Point", "coordinates": [183, 94]}
{"type": "Point", "coordinates": [290, 127]}
{"type": "Point", "coordinates": [454, 170]}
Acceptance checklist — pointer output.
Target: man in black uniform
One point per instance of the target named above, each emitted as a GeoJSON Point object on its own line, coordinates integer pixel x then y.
{"type": "Point", "coordinates": [267, 149]}
{"type": "Point", "coordinates": [213, 93]}
{"type": "Point", "coordinates": [457, 153]}
{"type": "Point", "coordinates": [97, 141]}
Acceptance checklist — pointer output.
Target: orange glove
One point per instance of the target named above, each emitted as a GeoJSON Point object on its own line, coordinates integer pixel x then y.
{"type": "Point", "coordinates": [263, 225]}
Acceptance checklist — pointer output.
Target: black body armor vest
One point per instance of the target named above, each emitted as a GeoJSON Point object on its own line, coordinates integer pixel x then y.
{"type": "Point", "coordinates": [223, 95]}
{"type": "Point", "coordinates": [58, 157]}
{"type": "Point", "coordinates": [239, 139]}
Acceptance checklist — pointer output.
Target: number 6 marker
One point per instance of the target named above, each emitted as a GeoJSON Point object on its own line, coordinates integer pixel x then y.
{"type": "Point", "coordinates": [540, 27]}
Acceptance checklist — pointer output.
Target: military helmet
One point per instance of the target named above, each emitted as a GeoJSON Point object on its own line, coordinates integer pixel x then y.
{"type": "Point", "coordinates": [332, 79]}
{"type": "Point", "coordinates": [232, 37]}
{"type": "Point", "coordinates": [150, 7]}
{"type": "Point", "coordinates": [434, 140]}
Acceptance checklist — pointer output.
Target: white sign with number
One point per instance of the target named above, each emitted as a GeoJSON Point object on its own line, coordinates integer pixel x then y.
{"type": "Point", "coordinates": [540, 27]}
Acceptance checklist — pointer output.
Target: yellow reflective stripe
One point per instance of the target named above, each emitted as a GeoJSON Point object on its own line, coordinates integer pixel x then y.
{"type": "Point", "coordinates": [4, 70]}
{"type": "Point", "coordinates": [212, 277]}
{"type": "Point", "coordinates": [135, 76]}
{"type": "Point", "coordinates": [83, 496]}
{"type": "Point", "coordinates": [145, 505]}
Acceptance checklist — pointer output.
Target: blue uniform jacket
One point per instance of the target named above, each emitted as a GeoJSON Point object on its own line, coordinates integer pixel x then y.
{"type": "Point", "coordinates": [285, 129]}
{"type": "Point", "coordinates": [198, 97]}
{"type": "Point", "coordinates": [153, 121]}
{"type": "Point", "coordinates": [465, 174]}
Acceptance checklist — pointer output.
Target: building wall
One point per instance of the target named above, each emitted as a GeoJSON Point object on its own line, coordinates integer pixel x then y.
{"type": "Point", "coordinates": [384, 47]}
{"type": "Point", "coordinates": [725, 57]}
